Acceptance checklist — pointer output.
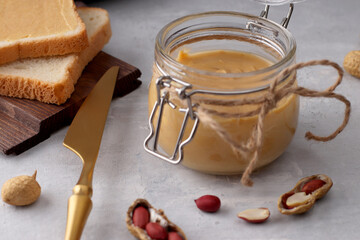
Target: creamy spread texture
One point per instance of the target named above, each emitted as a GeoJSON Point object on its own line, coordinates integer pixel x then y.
{"type": "Point", "coordinates": [33, 18]}
{"type": "Point", "coordinates": [208, 152]}
{"type": "Point", "coordinates": [223, 61]}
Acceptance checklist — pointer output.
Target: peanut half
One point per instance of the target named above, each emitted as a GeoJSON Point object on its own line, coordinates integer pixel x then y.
{"type": "Point", "coordinates": [303, 196]}
{"type": "Point", "coordinates": [255, 215]}
{"type": "Point", "coordinates": [157, 225]}
{"type": "Point", "coordinates": [297, 199]}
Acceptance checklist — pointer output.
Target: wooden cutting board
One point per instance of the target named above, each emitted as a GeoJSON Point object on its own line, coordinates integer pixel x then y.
{"type": "Point", "coordinates": [25, 123]}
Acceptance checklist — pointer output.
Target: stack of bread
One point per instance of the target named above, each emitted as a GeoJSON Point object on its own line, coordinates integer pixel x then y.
{"type": "Point", "coordinates": [45, 45]}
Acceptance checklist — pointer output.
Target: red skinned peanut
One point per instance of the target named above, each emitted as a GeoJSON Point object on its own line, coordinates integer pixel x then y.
{"type": "Point", "coordinates": [208, 203]}
{"type": "Point", "coordinates": [174, 236]}
{"type": "Point", "coordinates": [312, 185]}
{"type": "Point", "coordinates": [141, 217]}
{"type": "Point", "coordinates": [156, 231]}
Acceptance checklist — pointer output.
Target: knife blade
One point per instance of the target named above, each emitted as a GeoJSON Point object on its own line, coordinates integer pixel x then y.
{"type": "Point", "coordinates": [83, 138]}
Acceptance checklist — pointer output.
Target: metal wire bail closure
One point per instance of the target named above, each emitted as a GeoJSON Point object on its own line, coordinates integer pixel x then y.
{"type": "Point", "coordinates": [285, 21]}
{"type": "Point", "coordinates": [163, 85]}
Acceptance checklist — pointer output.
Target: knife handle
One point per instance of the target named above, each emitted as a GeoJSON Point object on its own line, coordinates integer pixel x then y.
{"type": "Point", "coordinates": [79, 207]}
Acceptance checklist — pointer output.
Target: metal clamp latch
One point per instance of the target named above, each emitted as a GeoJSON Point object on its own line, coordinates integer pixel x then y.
{"type": "Point", "coordinates": [285, 21]}
{"type": "Point", "coordinates": [264, 14]}
{"type": "Point", "coordinates": [162, 99]}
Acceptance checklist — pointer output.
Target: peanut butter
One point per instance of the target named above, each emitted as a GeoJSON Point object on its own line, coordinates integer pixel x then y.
{"type": "Point", "coordinates": [34, 18]}
{"type": "Point", "coordinates": [222, 61]}
{"type": "Point", "coordinates": [208, 152]}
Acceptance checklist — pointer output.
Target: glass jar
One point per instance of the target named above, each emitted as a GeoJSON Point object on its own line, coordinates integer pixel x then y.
{"type": "Point", "coordinates": [207, 151]}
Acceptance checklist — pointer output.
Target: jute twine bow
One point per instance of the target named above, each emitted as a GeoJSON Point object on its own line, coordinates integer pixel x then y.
{"type": "Point", "coordinates": [266, 103]}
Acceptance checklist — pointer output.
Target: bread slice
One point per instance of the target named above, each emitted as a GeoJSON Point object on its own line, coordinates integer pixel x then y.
{"type": "Point", "coordinates": [52, 79]}
{"type": "Point", "coordinates": [37, 28]}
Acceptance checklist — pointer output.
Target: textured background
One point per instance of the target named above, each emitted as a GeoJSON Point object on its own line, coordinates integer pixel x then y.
{"type": "Point", "coordinates": [124, 172]}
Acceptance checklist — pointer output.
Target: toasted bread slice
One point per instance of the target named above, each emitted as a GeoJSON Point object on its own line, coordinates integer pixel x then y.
{"type": "Point", "coordinates": [52, 79]}
{"type": "Point", "coordinates": [39, 28]}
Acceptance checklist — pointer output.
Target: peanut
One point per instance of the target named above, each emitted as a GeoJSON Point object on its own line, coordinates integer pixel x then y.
{"type": "Point", "coordinates": [174, 236]}
{"type": "Point", "coordinates": [208, 203]}
{"type": "Point", "coordinates": [312, 185]}
{"type": "Point", "coordinates": [156, 225]}
{"type": "Point", "coordinates": [352, 63]}
{"type": "Point", "coordinates": [297, 199]}
{"type": "Point", "coordinates": [256, 215]}
{"type": "Point", "coordinates": [141, 217]}
{"type": "Point", "coordinates": [21, 190]}
{"type": "Point", "coordinates": [304, 195]}
{"type": "Point", "coordinates": [156, 231]}
{"type": "Point", "coordinates": [284, 199]}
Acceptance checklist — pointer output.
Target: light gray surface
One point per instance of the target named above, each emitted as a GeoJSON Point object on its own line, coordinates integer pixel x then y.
{"type": "Point", "coordinates": [124, 172]}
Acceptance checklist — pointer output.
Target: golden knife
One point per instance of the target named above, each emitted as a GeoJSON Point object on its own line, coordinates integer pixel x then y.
{"type": "Point", "coordinates": [84, 138]}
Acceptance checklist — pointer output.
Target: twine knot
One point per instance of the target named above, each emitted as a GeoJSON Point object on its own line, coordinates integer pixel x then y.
{"type": "Point", "coordinates": [270, 99]}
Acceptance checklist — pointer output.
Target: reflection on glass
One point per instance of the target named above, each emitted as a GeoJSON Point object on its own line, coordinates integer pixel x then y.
{"type": "Point", "coordinates": [277, 2]}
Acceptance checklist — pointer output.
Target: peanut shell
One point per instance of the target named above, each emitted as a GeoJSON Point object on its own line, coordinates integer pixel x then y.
{"type": "Point", "coordinates": [140, 233]}
{"type": "Point", "coordinates": [21, 190]}
{"type": "Point", "coordinates": [317, 194]}
{"type": "Point", "coordinates": [352, 63]}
